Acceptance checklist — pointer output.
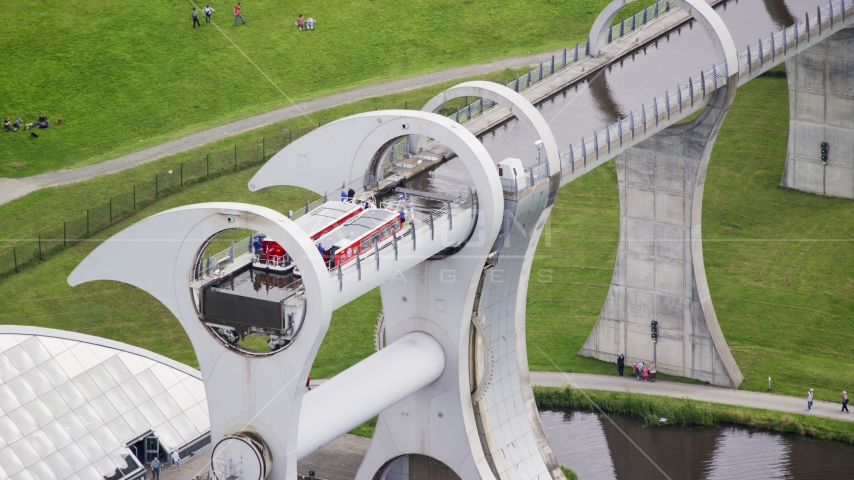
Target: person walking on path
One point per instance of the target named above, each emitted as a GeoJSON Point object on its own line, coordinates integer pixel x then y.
{"type": "Point", "coordinates": [195, 17]}
{"type": "Point", "coordinates": [155, 468]}
{"type": "Point", "coordinates": [845, 402]}
{"type": "Point", "coordinates": [809, 400]}
{"type": "Point", "coordinates": [652, 372]}
{"type": "Point", "coordinates": [176, 461]}
{"type": "Point", "coordinates": [636, 370]}
{"type": "Point", "coordinates": [238, 15]}
{"type": "Point", "coordinates": [621, 364]}
{"type": "Point", "coordinates": [208, 11]}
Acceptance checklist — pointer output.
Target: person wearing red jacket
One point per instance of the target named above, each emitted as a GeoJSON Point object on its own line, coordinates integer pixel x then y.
{"type": "Point", "coordinates": [238, 15]}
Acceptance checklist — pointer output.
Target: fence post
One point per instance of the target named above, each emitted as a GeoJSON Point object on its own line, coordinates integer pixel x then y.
{"type": "Point", "coordinates": [134, 196]}
{"type": "Point", "coordinates": [632, 123]}
{"type": "Point", "coordinates": [40, 247]}
{"type": "Point", "coordinates": [394, 239]}
{"type": "Point", "coordinates": [655, 109]}
{"type": "Point", "coordinates": [306, 206]}
{"type": "Point", "coordinates": [643, 22]}
{"type": "Point", "coordinates": [359, 265]}
{"type": "Point", "coordinates": [596, 144]}
{"type": "Point", "coordinates": [622, 25]}
{"type": "Point", "coordinates": [111, 210]}
{"type": "Point", "coordinates": [773, 49]}
{"type": "Point", "coordinates": [564, 59]}
{"type": "Point", "coordinates": [691, 89]}
{"type": "Point", "coordinates": [15, 258]}
{"type": "Point", "coordinates": [575, 55]}
{"type": "Point", "coordinates": [786, 43]}
{"type": "Point", "coordinates": [818, 10]}
{"type": "Point", "coordinates": [761, 55]}
{"type": "Point", "coordinates": [432, 233]}
{"type": "Point", "coordinates": [290, 136]}
{"type": "Point", "coordinates": [587, 47]}
{"type": "Point", "coordinates": [610, 33]}
{"type": "Point", "coordinates": [807, 21]}
{"type": "Point", "coordinates": [412, 227]}
{"type": "Point", "coordinates": [553, 66]}
{"type": "Point", "coordinates": [406, 104]}
{"type": "Point", "coordinates": [231, 253]}
{"type": "Point", "coordinates": [208, 166]}
{"type": "Point", "coordinates": [584, 151]}
{"type": "Point", "coordinates": [235, 158]}
{"type": "Point", "coordinates": [571, 158]}
{"type": "Point", "coordinates": [619, 133]}
{"type": "Point", "coordinates": [64, 234]}
{"type": "Point", "coordinates": [451, 216]}
{"type": "Point", "coordinates": [156, 187]}
{"type": "Point", "coordinates": [643, 117]}
{"type": "Point", "coordinates": [703, 83]}
{"type": "Point", "coordinates": [87, 223]}
{"type": "Point", "coordinates": [340, 279]}
{"type": "Point", "coordinates": [377, 253]}
{"type": "Point", "coordinates": [182, 174]}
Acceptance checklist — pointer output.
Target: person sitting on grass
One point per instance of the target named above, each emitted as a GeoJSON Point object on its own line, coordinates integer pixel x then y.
{"type": "Point", "coordinates": [301, 22]}
{"type": "Point", "coordinates": [42, 122]}
{"type": "Point", "coordinates": [11, 126]}
{"type": "Point", "coordinates": [309, 24]}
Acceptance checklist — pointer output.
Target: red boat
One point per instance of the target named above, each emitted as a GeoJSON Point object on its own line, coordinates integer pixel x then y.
{"type": "Point", "coordinates": [269, 255]}
{"type": "Point", "coordinates": [358, 235]}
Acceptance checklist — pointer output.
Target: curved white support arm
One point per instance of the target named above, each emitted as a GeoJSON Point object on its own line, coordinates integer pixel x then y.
{"type": "Point", "coordinates": [245, 393]}
{"type": "Point", "coordinates": [513, 101]}
{"type": "Point", "coordinates": [346, 147]}
{"type": "Point", "coordinates": [712, 23]}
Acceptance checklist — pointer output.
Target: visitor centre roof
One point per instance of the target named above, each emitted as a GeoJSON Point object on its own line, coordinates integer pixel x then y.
{"type": "Point", "coordinates": [70, 404]}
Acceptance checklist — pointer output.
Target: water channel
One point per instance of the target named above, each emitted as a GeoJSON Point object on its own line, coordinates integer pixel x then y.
{"type": "Point", "coordinates": [617, 448]}
{"type": "Point", "coordinates": [610, 95]}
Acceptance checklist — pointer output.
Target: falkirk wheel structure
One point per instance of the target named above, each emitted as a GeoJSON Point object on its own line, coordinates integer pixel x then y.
{"type": "Point", "coordinates": [450, 379]}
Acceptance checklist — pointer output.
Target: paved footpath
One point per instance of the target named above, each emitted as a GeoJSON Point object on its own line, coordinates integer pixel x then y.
{"type": "Point", "coordinates": [704, 393]}
{"type": "Point", "coordinates": [12, 188]}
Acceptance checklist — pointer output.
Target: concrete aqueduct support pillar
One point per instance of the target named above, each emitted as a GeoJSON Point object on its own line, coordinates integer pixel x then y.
{"type": "Point", "coordinates": [659, 273]}
{"type": "Point", "coordinates": [821, 109]}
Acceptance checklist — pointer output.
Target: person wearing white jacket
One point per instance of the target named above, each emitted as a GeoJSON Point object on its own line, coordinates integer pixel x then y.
{"type": "Point", "coordinates": [208, 11]}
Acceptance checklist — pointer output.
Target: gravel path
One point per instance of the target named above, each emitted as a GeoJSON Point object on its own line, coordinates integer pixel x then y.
{"type": "Point", "coordinates": [705, 393]}
{"type": "Point", "coordinates": [12, 188]}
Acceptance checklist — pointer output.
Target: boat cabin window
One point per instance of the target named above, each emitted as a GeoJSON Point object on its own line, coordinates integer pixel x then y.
{"type": "Point", "coordinates": [395, 226]}
{"type": "Point", "coordinates": [366, 244]}
{"type": "Point", "coordinates": [386, 231]}
{"type": "Point", "coordinates": [375, 238]}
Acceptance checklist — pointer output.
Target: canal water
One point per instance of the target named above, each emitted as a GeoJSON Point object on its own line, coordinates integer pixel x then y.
{"type": "Point", "coordinates": [619, 447]}
{"type": "Point", "coordinates": [626, 86]}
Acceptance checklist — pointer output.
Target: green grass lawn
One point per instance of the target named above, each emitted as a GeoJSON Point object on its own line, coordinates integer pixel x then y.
{"type": "Point", "coordinates": [129, 75]}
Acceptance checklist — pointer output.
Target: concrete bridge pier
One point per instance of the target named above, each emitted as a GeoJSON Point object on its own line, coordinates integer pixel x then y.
{"type": "Point", "coordinates": [659, 273]}
{"type": "Point", "coordinates": [821, 109]}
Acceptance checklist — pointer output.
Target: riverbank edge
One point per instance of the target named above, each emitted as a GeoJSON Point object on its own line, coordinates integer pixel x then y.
{"type": "Point", "coordinates": [688, 412]}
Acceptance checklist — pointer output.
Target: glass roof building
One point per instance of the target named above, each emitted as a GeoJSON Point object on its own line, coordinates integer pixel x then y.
{"type": "Point", "coordinates": [74, 406]}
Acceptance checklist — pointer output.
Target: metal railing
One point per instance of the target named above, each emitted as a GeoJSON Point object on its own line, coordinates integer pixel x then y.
{"type": "Point", "coordinates": [211, 265]}
{"type": "Point", "coordinates": [428, 227]}
{"type": "Point", "coordinates": [692, 95]}
{"type": "Point", "coordinates": [558, 63]}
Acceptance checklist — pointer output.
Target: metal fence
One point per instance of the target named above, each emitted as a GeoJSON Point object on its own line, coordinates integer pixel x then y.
{"type": "Point", "coordinates": [50, 240]}
{"type": "Point", "coordinates": [752, 62]}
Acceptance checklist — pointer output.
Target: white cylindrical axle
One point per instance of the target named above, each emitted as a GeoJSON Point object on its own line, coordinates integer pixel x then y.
{"type": "Point", "coordinates": [367, 388]}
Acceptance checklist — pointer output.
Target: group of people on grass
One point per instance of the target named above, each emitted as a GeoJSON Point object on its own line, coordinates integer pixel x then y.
{"type": "Point", "coordinates": [302, 23]}
{"type": "Point", "coordinates": [42, 122]}
{"type": "Point", "coordinates": [641, 370]}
